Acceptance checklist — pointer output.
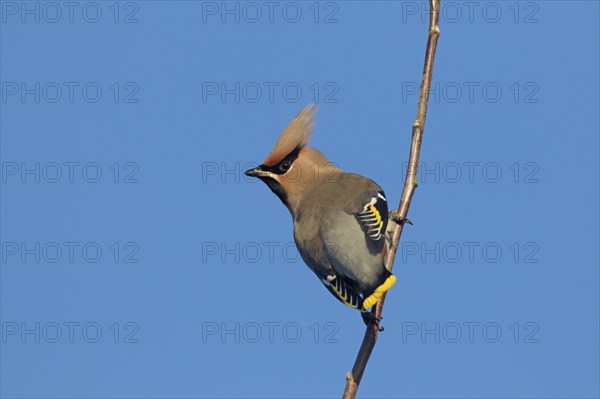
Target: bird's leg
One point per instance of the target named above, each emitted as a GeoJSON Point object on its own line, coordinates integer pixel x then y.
{"type": "Point", "coordinates": [395, 217]}
{"type": "Point", "coordinates": [369, 317]}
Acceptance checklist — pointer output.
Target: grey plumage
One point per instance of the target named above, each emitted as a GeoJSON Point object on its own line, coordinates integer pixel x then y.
{"type": "Point", "coordinates": [325, 226]}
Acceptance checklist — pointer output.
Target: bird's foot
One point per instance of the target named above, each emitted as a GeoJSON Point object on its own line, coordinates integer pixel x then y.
{"type": "Point", "coordinates": [369, 317]}
{"type": "Point", "coordinates": [395, 216]}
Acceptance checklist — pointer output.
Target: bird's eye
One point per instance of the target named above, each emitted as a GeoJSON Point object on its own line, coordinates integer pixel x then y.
{"type": "Point", "coordinates": [285, 166]}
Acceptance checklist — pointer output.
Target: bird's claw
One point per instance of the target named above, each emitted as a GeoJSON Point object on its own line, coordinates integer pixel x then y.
{"type": "Point", "coordinates": [395, 216]}
{"type": "Point", "coordinates": [369, 317]}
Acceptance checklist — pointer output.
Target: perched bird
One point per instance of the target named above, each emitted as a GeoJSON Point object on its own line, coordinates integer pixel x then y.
{"type": "Point", "coordinates": [340, 218]}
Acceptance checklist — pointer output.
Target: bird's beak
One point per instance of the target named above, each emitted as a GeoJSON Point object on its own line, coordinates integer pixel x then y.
{"type": "Point", "coordinates": [256, 172]}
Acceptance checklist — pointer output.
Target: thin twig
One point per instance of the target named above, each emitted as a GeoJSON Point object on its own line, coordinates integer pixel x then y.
{"type": "Point", "coordinates": [410, 184]}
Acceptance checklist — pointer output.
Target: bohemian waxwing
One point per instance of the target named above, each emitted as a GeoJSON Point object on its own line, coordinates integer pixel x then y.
{"type": "Point", "coordinates": [340, 218]}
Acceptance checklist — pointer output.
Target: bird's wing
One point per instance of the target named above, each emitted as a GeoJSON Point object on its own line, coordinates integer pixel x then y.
{"type": "Point", "coordinates": [371, 211]}
{"type": "Point", "coordinates": [367, 202]}
{"type": "Point", "coordinates": [353, 230]}
{"type": "Point", "coordinates": [343, 289]}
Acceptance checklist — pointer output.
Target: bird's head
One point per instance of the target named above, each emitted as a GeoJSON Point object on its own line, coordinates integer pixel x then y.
{"type": "Point", "coordinates": [292, 169]}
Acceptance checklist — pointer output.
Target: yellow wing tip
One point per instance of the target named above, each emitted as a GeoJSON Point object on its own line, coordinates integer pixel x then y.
{"type": "Point", "coordinates": [379, 291]}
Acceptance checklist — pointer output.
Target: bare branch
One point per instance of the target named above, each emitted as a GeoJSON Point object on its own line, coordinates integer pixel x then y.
{"type": "Point", "coordinates": [410, 184]}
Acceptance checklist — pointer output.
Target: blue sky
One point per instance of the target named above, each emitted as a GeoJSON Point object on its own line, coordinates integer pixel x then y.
{"type": "Point", "coordinates": [139, 262]}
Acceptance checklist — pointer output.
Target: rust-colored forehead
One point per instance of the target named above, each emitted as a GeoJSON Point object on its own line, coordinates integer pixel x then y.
{"type": "Point", "coordinates": [295, 135]}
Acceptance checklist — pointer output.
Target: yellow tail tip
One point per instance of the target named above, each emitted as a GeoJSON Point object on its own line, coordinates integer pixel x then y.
{"type": "Point", "coordinates": [379, 291]}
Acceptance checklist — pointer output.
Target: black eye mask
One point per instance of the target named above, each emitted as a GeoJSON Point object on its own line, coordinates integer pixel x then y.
{"type": "Point", "coordinates": [279, 169]}
{"type": "Point", "coordinates": [285, 164]}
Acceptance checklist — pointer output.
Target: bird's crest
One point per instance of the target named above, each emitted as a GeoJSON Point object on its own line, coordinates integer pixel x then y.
{"type": "Point", "coordinates": [295, 135]}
